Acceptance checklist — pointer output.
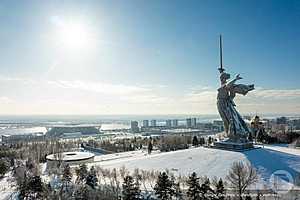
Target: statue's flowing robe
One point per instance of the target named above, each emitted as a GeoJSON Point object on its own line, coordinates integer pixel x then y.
{"type": "Point", "coordinates": [240, 89]}
{"type": "Point", "coordinates": [233, 121]}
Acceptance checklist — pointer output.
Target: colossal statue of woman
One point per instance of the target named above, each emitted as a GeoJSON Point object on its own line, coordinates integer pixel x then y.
{"type": "Point", "coordinates": [235, 127]}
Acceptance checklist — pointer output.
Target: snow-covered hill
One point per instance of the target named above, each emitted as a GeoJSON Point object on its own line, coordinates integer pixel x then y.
{"type": "Point", "coordinates": [208, 161]}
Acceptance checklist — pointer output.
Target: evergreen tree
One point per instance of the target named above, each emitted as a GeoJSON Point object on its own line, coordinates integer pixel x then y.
{"type": "Point", "coordinates": [137, 190]}
{"type": "Point", "coordinates": [131, 147]}
{"type": "Point", "coordinates": [22, 186]}
{"type": "Point", "coordinates": [67, 176]}
{"type": "Point", "coordinates": [260, 135]}
{"type": "Point", "coordinates": [205, 190]}
{"type": "Point", "coordinates": [178, 192]}
{"type": "Point", "coordinates": [150, 147]}
{"type": "Point", "coordinates": [220, 190]}
{"type": "Point", "coordinates": [3, 167]}
{"type": "Point", "coordinates": [131, 190]}
{"type": "Point", "coordinates": [195, 141]}
{"type": "Point", "coordinates": [29, 164]}
{"type": "Point", "coordinates": [164, 187]}
{"type": "Point", "coordinates": [258, 196]}
{"type": "Point", "coordinates": [81, 193]}
{"type": "Point", "coordinates": [202, 141]}
{"type": "Point", "coordinates": [81, 172]}
{"type": "Point", "coordinates": [91, 178]}
{"type": "Point", "coordinates": [210, 140]}
{"type": "Point", "coordinates": [12, 161]}
{"type": "Point", "coordinates": [193, 192]}
{"type": "Point", "coordinates": [35, 184]}
{"type": "Point", "coordinates": [32, 188]}
{"type": "Point", "coordinates": [250, 138]}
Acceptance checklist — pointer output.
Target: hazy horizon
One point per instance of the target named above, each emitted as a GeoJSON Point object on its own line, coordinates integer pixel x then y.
{"type": "Point", "coordinates": [135, 116]}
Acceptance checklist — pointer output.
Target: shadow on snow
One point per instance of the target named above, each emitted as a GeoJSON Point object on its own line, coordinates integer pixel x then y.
{"type": "Point", "coordinates": [268, 161]}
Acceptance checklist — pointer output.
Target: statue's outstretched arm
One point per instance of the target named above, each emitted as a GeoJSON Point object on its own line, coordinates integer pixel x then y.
{"type": "Point", "coordinates": [232, 82]}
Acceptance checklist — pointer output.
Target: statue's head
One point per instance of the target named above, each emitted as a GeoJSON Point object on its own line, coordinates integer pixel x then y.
{"type": "Point", "coordinates": [224, 77]}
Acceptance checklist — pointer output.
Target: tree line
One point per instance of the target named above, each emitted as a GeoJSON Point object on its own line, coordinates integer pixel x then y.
{"type": "Point", "coordinates": [92, 183]}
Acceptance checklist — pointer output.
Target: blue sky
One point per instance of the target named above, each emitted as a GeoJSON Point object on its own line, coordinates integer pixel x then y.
{"type": "Point", "coordinates": [146, 57]}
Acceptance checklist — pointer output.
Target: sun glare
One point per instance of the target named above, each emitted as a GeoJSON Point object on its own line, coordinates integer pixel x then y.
{"type": "Point", "coordinates": [71, 34]}
{"type": "Point", "coordinates": [74, 35]}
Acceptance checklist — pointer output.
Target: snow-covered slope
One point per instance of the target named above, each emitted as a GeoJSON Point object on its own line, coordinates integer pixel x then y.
{"type": "Point", "coordinates": [209, 162]}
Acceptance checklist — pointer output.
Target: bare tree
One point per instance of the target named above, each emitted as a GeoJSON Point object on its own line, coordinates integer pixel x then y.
{"type": "Point", "coordinates": [241, 176]}
{"type": "Point", "coordinates": [123, 172]}
{"type": "Point", "coordinates": [144, 177]}
{"type": "Point", "coordinates": [152, 178]}
{"type": "Point", "coordinates": [116, 181]}
{"type": "Point", "coordinates": [102, 173]}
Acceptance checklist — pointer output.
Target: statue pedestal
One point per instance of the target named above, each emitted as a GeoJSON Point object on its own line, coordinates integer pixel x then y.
{"type": "Point", "coordinates": [233, 146]}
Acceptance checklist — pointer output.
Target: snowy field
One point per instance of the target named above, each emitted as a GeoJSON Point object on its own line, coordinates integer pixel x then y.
{"type": "Point", "coordinates": [201, 160]}
{"type": "Point", "coordinates": [204, 161]}
{"type": "Point", "coordinates": [209, 162]}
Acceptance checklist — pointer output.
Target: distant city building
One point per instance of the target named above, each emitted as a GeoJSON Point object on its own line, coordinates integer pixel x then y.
{"type": "Point", "coordinates": [193, 122]}
{"type": "Point", "coordinates": [12, 139]}
{"type": "Point", "coordinates": [134, 126]}
{"type": "Point", "coordinates": [188, 122]}
{"type": "Point", "coordinates": [73, 131]}
{"type": "Point", "coordinates": [145, 123]}
{"type": "Point", "coordinates": [281, 120]}
{"type": "Point", "coordinates": [296, 124]}
{"type": "Point", "coordinates": [208, 126]}
{"type": "Point", "coordinates": [72, 135]}
{"type": "Point", "coordinates": [219, 125]}
{"type": "Point", "coordinates": [247, 117]}
{"type": "Point", "coordinates": [153, 122]}
{"type": "Point", "coordinates": [174, 122]}
{"type": "Point", "coordinates": [280, 128]}
{"type": "Point", "coordinates": [57, 131]}
{"type": "Point", "coordinates": [168, 123]}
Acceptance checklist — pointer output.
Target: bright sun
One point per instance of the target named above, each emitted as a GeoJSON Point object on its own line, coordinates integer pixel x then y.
{"type": "Point", "coordinates": [74, 35]}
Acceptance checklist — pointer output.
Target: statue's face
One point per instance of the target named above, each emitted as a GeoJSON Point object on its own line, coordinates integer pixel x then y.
{"type": "Point", "coordinates": [227, 76]}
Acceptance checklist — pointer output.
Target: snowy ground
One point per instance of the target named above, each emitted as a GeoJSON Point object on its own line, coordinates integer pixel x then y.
{"type": "Point", "coordinates": [201, 160]}
{"type": "Point", "coordinates": [7, 187]}
{"type": "Point", "coordinates": [204, 161]}
{"type": "Point", "coordinates": [209, 162]}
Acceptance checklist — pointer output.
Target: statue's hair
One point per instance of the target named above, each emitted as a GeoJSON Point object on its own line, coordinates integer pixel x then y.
{"type": "Point", "coordinates": [224, 76]}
